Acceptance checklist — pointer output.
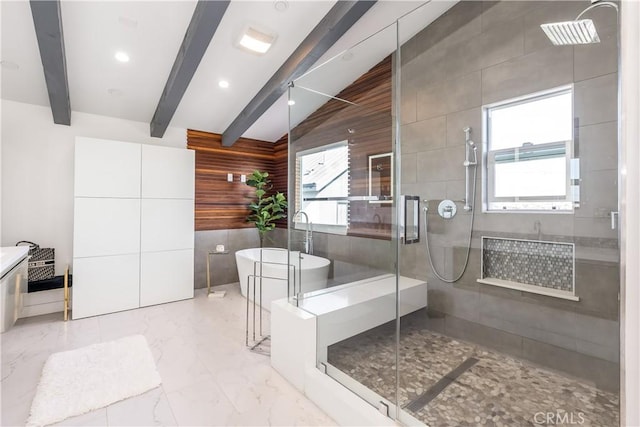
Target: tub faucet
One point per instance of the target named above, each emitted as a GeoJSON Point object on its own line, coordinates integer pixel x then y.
{"type": "Point", "coordinates": [308, 235]}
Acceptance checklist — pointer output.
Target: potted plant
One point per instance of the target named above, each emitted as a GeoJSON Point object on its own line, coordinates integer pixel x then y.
{"type": "Point", "coordinates": [265, 209]}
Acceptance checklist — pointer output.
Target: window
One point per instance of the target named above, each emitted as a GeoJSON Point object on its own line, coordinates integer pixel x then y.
{"type": "Point", "coordinates": [529, 149]}
{"type": "Point", "coordinates": [323, 185]}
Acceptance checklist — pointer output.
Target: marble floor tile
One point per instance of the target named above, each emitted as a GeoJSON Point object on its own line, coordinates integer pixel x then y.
{"type": "Point", "coordinates": [93, 418]}
{"type": "Point", "coordinates": [209, 377]}
{"type": "Point", "coordinates": [201, 404]}
{"type": "Point", "coordinates": [149, 409]}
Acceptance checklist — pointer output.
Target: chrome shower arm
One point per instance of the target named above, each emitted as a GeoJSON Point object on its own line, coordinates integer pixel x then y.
{"type": "Point", "coordinates": [597, 4]}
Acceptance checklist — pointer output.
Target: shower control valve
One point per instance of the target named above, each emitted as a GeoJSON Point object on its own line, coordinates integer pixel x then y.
{"type": "Point", "coordinates": [447, 209]}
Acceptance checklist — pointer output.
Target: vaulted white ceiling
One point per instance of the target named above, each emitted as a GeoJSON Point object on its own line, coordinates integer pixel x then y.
{"type": "Point", "coordinates": [151, 32]}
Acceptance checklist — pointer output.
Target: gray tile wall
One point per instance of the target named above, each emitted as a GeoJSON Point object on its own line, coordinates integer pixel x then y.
{"type": "Point", "coordinates": [223, 267]}
{"type": "Point", "coordinates": [479, 53]}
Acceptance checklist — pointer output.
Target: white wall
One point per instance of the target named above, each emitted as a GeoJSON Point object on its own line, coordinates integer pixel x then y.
{"type": "Point", "coordinates": [630, 188]}
{"type": "Point", "coordinates": [37, 171]}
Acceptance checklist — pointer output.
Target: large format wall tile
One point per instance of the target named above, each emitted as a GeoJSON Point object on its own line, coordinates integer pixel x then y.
{"type": "Point", "coordinates": [541, 70]}
{"type": "Point", "coordinates": [424, 135]}
{"type": "Point", "coordinates": [596, 100]}
{"type": "Point", "coordinates": [440, 165]}
{"type": "Point", "coordinates": [452, 95]}
{"type": "Point", "coordinates": [598, 147]}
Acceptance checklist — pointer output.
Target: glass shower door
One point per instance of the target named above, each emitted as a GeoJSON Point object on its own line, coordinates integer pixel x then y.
{"type": "Point", "coordinates": [342, 172]}
{"type": "Point", "coordinates": [522, 321]}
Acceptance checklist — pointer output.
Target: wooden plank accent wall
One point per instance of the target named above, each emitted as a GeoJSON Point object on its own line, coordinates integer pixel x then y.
{"type": "Point", "coordinates": [280, 164]}
{"type": "Point", "coordinates": [279, 176]}
{"type": "Point", "coordinates": [222, 205]}
{"type": "Point", "coordinates": [367, 125]}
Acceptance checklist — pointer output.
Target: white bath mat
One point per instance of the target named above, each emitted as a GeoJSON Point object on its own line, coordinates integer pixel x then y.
{"type": "Point", "coordinates": [82, 380]}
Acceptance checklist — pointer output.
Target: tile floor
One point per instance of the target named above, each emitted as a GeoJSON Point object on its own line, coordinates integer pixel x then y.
{"type": "Point", "coordinates": [498, 390]}
{"type": "Point", "coordinates": [208, 376]}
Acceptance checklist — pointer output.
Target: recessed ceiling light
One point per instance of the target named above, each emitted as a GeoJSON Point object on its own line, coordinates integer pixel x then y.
{"type": "Point", "coordinates": [8, 65]}
{"type": "Point", "coordinates": [291, 102]}
{"type": "Point", "coordinates": [256, 41]}
{"type": "Point", "coordinates": [281, 5]}
{"type": "Point", "coordinates": [223, 84]}
{"type": "Point", "coordinates": [121, 56]}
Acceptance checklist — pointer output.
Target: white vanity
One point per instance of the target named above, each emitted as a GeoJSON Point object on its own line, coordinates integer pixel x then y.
{"type": "Point", "coordinates": [13, 284]}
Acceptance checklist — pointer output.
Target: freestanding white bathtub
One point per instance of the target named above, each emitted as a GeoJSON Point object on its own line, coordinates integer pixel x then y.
{"type": "Point", "coordinates": [308, 272]}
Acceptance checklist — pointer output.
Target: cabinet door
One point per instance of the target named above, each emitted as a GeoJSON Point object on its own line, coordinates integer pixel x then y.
{"type": "Point", "coordinates": [167, 225]}
{"type": "Point", "coordinates": [168, 173]}
{"type": "Point", "coordinates": [105, 285]}
{"type": "Point", "coordinates": [106, 168]}
{"type": "Point", "coordinates": [106, 227]}
{"type": "Point", "coordinates": [166, 276]}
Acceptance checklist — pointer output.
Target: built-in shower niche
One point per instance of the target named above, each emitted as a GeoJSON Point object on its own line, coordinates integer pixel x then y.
{"type": "Point", "coordinates": [540, 267]}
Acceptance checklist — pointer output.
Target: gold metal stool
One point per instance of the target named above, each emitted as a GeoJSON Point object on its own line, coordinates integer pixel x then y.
{"type": "Point", "coordinates": [213, 294]}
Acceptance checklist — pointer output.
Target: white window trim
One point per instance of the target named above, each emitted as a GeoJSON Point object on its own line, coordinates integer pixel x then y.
{"type": "Point", "coordinates": [486, 174]}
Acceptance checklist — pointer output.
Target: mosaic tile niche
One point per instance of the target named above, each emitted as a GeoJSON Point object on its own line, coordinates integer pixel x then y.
{"type": "Point", "coordinates": [531, 262]}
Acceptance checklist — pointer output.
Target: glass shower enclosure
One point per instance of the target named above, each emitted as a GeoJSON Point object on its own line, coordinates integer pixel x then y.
{"type": "Point", "coordinates": [460, 173]}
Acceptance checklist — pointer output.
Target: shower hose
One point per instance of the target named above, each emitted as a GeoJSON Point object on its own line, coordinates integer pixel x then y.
{"type": "Point", "coordinates": [426, 239]}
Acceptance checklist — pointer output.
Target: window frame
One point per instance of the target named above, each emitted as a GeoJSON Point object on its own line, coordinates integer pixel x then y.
{"type": "Point", "coordinates": [488, 169]}
{"type": "Point", "coordinates": [326, 228]}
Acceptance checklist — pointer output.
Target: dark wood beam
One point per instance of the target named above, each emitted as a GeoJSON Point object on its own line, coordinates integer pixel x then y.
{"type": "Point", "coordinates": [204, 22]}
{"type": "Point", "coordinates": [340, 18]}
{"type": "Point", "coordinates": [48, 25]}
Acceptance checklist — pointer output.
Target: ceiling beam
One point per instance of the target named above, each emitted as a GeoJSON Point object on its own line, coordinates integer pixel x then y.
{"type": "Point", "coordinates": [204, 22]}
{"type": "Point", "coordinates": [335, 23]}
{"type": "Point", "coordinates": [47, 21]}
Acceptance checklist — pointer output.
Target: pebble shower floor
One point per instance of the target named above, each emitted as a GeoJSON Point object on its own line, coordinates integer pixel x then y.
{"type": "Point", "coordinates": [496, 390]}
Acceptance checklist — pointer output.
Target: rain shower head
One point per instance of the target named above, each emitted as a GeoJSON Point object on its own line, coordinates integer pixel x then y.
{"type": "Point", "coordinates": [578, 31]}
{"type": "Point", "coordinates": [571, 32]}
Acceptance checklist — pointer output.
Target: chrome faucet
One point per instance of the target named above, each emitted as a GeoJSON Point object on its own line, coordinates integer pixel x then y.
{"type": "Point", "coordinates": [308, 236]}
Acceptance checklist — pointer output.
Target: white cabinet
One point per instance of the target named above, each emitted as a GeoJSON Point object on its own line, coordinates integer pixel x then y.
{"type": "Point", "coordinates": [106, 226]}
{"type": "Point", "coordinates": [105, 284]}
{"type": "Point", "coordinates": [133, 226]}
{"type": "Point", "coordinates": [106, 168]}
{"type": "Point", "coordinates": [163, 173]}
{"type": "Point", "coordinates": [166, 276]}
{"type": "Point", "coordinates": [13, 284]}
{"type": "Point", "coordinates": [167, 224]}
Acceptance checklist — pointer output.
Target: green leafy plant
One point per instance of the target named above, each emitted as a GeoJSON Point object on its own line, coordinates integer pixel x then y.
{"type": "Point", "coordinates": [265, 209]}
